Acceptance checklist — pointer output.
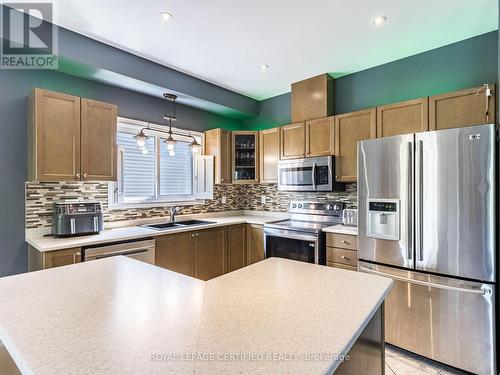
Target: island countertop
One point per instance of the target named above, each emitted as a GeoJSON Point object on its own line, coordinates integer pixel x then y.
{"type": "Point", "coordinates": [119, 315]}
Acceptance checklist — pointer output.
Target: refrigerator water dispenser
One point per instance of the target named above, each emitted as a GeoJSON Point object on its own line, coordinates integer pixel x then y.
{"type": "Point", "coordinates": [383, 219]}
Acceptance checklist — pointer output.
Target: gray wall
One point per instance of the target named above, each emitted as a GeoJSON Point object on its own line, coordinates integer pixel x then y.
{"type": "Point", "coordinates": [468, 63]}
{"type": "Point", "coordinates": [14, 87]}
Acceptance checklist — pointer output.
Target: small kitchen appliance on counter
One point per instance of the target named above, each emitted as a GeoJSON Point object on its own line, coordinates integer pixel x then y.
{"type": "Point", "coordinates": [76, 219]}
{"type": "Point", "coordinates": [350, 217]}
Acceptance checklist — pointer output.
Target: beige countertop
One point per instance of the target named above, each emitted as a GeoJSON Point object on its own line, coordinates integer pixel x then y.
{"type": "Point", "coordinates": [43, 243]}
{"type": "Point", "coordinates": [122, 316]}
{"type": "Point", "coordinates": [342, 229]}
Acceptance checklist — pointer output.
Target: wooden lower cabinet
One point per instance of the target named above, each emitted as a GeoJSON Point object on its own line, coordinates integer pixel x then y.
{"type": "Point", "coordinates": [49, 259]}
{"type": "Point", "coordinates": [7, 364]}
{"type": "Point", "coordinates": [209, 253]}
{"type": "Point", "coordinates": [174, 252]}
{"type": "Point", "coordinates": [255, 243]}
{"type": "Point", "coordinates": [341, 251]}
{"type": "Point", "coordinates": [236, 247]}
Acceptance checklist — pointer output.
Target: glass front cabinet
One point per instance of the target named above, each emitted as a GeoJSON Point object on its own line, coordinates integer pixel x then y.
{"type": "Point", "coordinates": [245, 157]}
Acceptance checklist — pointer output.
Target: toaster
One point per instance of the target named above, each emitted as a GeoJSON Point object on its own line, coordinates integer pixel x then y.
{"type": "Point", "coordinates": [350, 217]}
{"type": "Point", "coordinates": [76, 219]}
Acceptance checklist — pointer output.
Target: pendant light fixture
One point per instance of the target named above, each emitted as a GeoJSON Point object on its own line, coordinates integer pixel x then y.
{"type": "Point", "coordinates": [170, 119]}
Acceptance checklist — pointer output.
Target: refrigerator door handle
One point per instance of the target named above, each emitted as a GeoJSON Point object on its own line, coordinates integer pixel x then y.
{"type": "Point", "coordinates": [482, 291]}
{"type": "Point", "coordinates": [410, 203]}
{"type": "Point", "coordinates": [420, 203]}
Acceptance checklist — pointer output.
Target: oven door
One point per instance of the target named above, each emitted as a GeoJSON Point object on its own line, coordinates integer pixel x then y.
{"type": "Point", "coordinates": [311, 174]}
{"type": "Point", "coordinates": [295, 245]}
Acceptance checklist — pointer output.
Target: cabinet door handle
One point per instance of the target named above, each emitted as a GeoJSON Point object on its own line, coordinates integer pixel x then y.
{"type": "Point", "coordinates": [85, 175]}
{"type": "Point", "coordinates": [78, 175]}
{"type": "Point", "coordinates": [75, 255]}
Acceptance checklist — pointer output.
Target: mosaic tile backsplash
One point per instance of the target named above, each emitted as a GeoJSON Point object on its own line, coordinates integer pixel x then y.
{"type": "Point", "coordinates": [41, 195]}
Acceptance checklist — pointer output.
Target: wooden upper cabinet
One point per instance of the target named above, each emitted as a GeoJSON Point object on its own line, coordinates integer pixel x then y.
{"type": "Point", "coordinates": [245, 157]}
{"type": "Point", "coordinates": [98, 140]}
{"type": "Point", "coordinates": [350, 128]}
{"type": "Point", "coordinates": [236, 247]}
{"type": "Point", "coordinates": [269, 155]}
{"type": "Point", "coordinates": [312, 98]}
{"type": "Point", "coordinates": [255, 243]}
{"type": "Point", "coordinates": [174, 252]}
{"type": "Point", "coordinates": [407, 117]}
{"type": "Point", "coordinates": [53, 136]}
{"type": "Point", "coordinates": [293, 141]}
{"type": "Point", "coordinates": [209, 252]}
{"type": "Point", "coordinates": [218, 144]}
{"type": "Point", "coordinates": [461, 108]}
{"type": "Point", "coordinates": [320, 137]}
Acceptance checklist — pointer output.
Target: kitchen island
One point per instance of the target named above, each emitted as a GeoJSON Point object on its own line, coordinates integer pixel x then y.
{"type": "Point", "coordinates": [119, 315]}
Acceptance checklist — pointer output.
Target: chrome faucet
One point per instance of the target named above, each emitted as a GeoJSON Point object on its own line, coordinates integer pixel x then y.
{"type": "Point", "coordinates": [173, 211]}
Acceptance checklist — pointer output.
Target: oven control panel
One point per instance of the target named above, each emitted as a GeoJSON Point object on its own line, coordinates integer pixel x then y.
{"type": "Point", "coordinates": [330, 208]}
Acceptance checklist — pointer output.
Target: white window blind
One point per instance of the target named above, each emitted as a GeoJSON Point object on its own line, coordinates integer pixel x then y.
{"type": "Point", "coordinates": [151, 176]}
{"type": "Point", "coordinates": [176, 172]}
{"type": "Point", "coordinates": [138, 170]}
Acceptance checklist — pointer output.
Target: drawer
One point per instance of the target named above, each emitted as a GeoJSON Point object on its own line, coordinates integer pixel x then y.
{"type": "Point", "coordinates": [336, 255]}
{"type": "Point", "coordinates": [343, 266]}
{"type": "Point", "coordinates": [344, 241]}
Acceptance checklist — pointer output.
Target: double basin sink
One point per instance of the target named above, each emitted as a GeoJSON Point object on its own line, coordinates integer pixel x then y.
{"type": "Point", "coordinates": [177, 224]}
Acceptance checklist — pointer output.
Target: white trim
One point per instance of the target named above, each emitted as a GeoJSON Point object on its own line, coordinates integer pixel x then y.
{"type": "Point", "coordinates": [114, 205]}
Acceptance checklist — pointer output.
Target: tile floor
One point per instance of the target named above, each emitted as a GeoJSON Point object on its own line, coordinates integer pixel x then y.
{"type": "Point", "coordinates": [400, 362]}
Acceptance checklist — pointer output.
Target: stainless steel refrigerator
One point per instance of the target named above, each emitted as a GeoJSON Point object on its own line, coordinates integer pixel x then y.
{"type": "Point", "coordinates": [427, 212]}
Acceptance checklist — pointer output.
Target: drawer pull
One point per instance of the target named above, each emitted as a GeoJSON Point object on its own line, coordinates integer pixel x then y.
{"type": "Point", "coordinates": [345, 258]}
{"type": "Point", "coordinates": [346, 242]}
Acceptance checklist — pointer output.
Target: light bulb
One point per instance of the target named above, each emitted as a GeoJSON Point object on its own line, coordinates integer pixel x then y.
{"type": "Point", "coordinates": [171, 152]}
{"type": "Point", "coordinates": [141, 139]}
{"type": "Point", "coordinates": [145, 151]}
{"type": "Point", "coordinates": [195, 147]}
{"type": "Point", "coordinates": [170, 146]}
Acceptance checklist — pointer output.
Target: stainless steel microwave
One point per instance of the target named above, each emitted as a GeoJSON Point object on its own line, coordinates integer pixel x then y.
{"type": "Point", "coordinates": [308, 174]}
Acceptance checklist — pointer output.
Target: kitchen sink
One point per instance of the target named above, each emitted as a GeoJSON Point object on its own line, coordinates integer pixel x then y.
{"type": "Point", "coordinates": [177, 224]}
{"type": "Point", "coordinates": [162, 226]}
{"type": "Point", "coordinates": [194, 222]}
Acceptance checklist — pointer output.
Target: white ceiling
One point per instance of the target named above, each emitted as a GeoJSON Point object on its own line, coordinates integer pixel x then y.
{"type": "Point", "coordinates": [225, 41]}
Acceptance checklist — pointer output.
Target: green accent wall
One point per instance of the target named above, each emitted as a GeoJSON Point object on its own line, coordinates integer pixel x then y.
{"type": "Point", "coordinates": [464, 64]}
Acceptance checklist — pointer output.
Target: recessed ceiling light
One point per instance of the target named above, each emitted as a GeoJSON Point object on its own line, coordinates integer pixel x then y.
{"type": "Point", "coordinates": [166, 16]}
{"type": "Point", "coordinates": [379, 20]}
{"type": "Point", "coordinates": [264, 67]}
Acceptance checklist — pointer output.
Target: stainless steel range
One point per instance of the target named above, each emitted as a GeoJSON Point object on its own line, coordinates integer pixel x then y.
{"type": "Point", "coordinates": [301, 237]}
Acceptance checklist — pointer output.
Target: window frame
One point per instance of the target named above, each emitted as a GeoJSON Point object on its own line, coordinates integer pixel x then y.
{"type": "Point", "coordinates": [132, 127]}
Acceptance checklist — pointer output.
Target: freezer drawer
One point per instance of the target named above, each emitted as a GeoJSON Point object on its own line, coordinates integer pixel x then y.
{"type": "Point", "coordinates": [448, 320]}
